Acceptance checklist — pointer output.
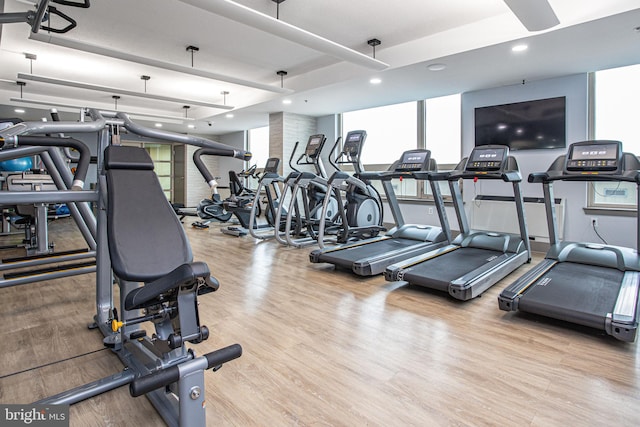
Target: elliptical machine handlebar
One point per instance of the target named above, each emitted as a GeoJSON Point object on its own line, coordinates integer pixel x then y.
{"type": "Point", "coordinates": [334, 163]}
{"type": "Point", "coordinates": [295, 148]}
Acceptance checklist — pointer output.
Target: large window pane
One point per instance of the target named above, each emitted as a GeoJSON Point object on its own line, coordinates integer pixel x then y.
{"type": "Point", "coordinates": [443, 128]}
{"type": "Point", "coordinates": [616, 113]}
{"type": "Point", "coordinates": [617, 108]}
{"type": "Point", "coordinates": [391, 130]}
{"type": "Point", "coordinates": [259, 146]}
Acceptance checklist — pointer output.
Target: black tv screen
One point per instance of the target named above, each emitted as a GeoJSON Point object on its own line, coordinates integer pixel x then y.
{"type": "Point", "coordinates": [539, 124]}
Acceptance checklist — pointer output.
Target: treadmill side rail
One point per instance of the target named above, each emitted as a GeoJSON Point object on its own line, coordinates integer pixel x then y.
{"type": "Point", "coordinates": [508, 298]}
{"type": "Point", "coordinates": [479, 280]}
{"type": "Point", "coordinates": [623, 322]}
{"type": "Point", "coordinates": [395, 272]}
{"type": "Point", "coordinates": [375, 265]}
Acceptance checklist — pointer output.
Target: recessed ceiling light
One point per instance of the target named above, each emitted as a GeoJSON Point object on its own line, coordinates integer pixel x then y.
{"type": "Point", "coordinates": [375, 81]}
{"type": "Point", "coordinates": [158, 125]}
{"type": "Point", "coordinates": [519, 48]}
{"type": "Point", "coordinates": [19, 110]}
{"type": "Point", "coordinates": [286, 101]}
{"type": "Point", "coordinates": [229, 116]}
{"type": "Point", "coordinates": [436, 67]}
{"type": "Point", "coordinates": [191, 126]}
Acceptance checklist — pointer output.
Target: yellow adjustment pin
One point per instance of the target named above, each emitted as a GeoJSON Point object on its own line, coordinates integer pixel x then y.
{"type": "Point", "coordinates": [116, 325]}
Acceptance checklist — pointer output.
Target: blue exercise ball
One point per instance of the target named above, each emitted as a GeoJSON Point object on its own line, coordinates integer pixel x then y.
{"type": "Point", "coordinates": [16, 165]}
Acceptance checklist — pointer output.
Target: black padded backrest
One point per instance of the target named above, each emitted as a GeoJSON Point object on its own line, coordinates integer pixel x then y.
{"type": "Point", "coordinates": [146, 239]}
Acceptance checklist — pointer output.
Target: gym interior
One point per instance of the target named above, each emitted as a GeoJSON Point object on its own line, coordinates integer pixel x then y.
{"type": "Point", "coordinates": [319, 213]}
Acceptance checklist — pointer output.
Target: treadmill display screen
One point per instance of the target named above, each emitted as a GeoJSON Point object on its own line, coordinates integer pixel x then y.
{"type": "Point", "coordinates": [487, 159]}
{"type": "Point", "coordinates": [413, 160]}
{"type": "Point", "coordinates": [594, 157]}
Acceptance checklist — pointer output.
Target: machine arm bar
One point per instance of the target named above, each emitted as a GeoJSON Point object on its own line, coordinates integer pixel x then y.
{"type": "Point", "coordinates": [179, 138]}
{"type": "Point", "coordinates": [225, 152]}
{"type": "Point", "coordinates": [36, 128]}
{"type": "Point", "coordinates": [46, 141]}
{"type": "Point", "coordinates": [164, 377]}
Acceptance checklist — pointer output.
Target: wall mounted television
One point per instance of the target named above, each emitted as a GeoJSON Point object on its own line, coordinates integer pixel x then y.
{"type": "Point", "coordinates": [529, 125]}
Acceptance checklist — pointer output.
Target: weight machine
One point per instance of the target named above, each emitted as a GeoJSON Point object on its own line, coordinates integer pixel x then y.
{"type": "Point", "coordinates": [159, 282]}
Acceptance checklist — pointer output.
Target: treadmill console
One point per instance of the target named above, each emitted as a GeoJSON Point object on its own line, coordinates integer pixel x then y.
{"type": "Point", "coordinates": [414, 160]}
{"type": "Point", "coordinates": [353, 143]}
{"type": "Point", "coordinates": [272, 165]}
{"type": "Point", "coordinates": [594, 157]}
{"type": "Point", "coordinates": [487, 158]}
{"type": "Point", "coordinates": [314, 145]}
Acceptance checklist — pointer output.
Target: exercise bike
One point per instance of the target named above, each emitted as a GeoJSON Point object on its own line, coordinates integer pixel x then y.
{"type": "Point", "coordinates": [239, 202]}
{"type": "Point", "coordinates": [212, 209]}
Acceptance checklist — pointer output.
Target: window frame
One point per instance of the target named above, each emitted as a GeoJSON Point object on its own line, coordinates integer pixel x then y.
{"type": "Point", "coordinates": [422, 193]}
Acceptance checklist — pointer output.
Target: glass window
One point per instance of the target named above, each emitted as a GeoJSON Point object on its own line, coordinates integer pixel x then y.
{"type": "Point", "coordinates": [391, 130]}
{"type": "Point", "coordinates": [615, 114]}
{"type": "Point", "coordinates": [443, 128]}
{"type": "Point", "coordinates": [259, 146]}
{"type": "Point", "coordinates": [162, 155]}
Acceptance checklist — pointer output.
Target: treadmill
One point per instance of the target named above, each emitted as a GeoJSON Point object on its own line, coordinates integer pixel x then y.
{"type": "Point", "coordinates": [587, 284]}
{"type": "Point", "coordinates": [370, 257]}
{"type": "Point", "coordinates": [475, 260]}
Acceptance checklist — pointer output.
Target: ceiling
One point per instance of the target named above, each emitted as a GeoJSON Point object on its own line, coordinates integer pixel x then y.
{"type": "Point", "coordinates": [473, 39]}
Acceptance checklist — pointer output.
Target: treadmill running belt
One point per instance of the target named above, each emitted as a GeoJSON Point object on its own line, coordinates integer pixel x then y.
{"type": "Point", "coordinates": [577, 293]}
{"type": "Point", "coordinates": [350, 255]}
{"type": "Point", "coordinates": [438, 272]}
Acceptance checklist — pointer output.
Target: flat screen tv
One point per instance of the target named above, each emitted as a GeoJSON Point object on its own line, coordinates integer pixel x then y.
{"type": "Point", "coordinates": [530, 125]}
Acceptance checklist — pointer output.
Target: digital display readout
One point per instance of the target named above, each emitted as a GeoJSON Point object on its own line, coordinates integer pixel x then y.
{"type": "Point", "coordinates": [604, 152]}
{"type": "Point", "coordinates": [413, 160]}
{"type": "Point", "coordinates": [493, 155]}
{"type": "Point", "coordinates": [354, 137]}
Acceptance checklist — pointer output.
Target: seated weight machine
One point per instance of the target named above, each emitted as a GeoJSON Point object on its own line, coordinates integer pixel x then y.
{"type": "Point", "coordinates": [159, 282]}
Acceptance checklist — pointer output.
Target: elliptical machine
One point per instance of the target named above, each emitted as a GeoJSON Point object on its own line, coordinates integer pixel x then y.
{"type": "Point", "coordinates": [306, 193]}
{"type": "Point", "coordinates": [269, 184]}
{"type": "Point", "coordinates": [359, 204]}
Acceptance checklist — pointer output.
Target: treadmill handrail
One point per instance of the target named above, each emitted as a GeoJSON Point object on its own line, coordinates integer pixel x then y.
{"type": "Point", "coordinates": [508, 175]}
{"type": "Point", "coordinates": [542, 177]}
{"type": "Point", "coordinates": [556, 172]}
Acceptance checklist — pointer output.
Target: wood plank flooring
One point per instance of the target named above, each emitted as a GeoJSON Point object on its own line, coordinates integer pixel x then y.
{"type": "Point", "coordinates": [325, 347]}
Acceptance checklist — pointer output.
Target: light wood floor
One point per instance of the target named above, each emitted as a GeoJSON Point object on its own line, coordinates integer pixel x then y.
{"type": "Point", "coordinates": [323, 347]}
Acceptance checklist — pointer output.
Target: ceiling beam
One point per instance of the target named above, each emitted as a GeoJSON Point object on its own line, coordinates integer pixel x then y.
{"type": "Point", "coordinates": [81, 85]}
{"type": "Point", "coordinates": [253, 18]}
{"type": "Point", "coordinates": [535, 15]}
{"type": "Point", "coordinates": [112, 53]}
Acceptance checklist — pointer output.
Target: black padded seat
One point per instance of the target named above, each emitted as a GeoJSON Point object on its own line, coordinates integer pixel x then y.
{"type": "Point", "coordinates": [186, 274]}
